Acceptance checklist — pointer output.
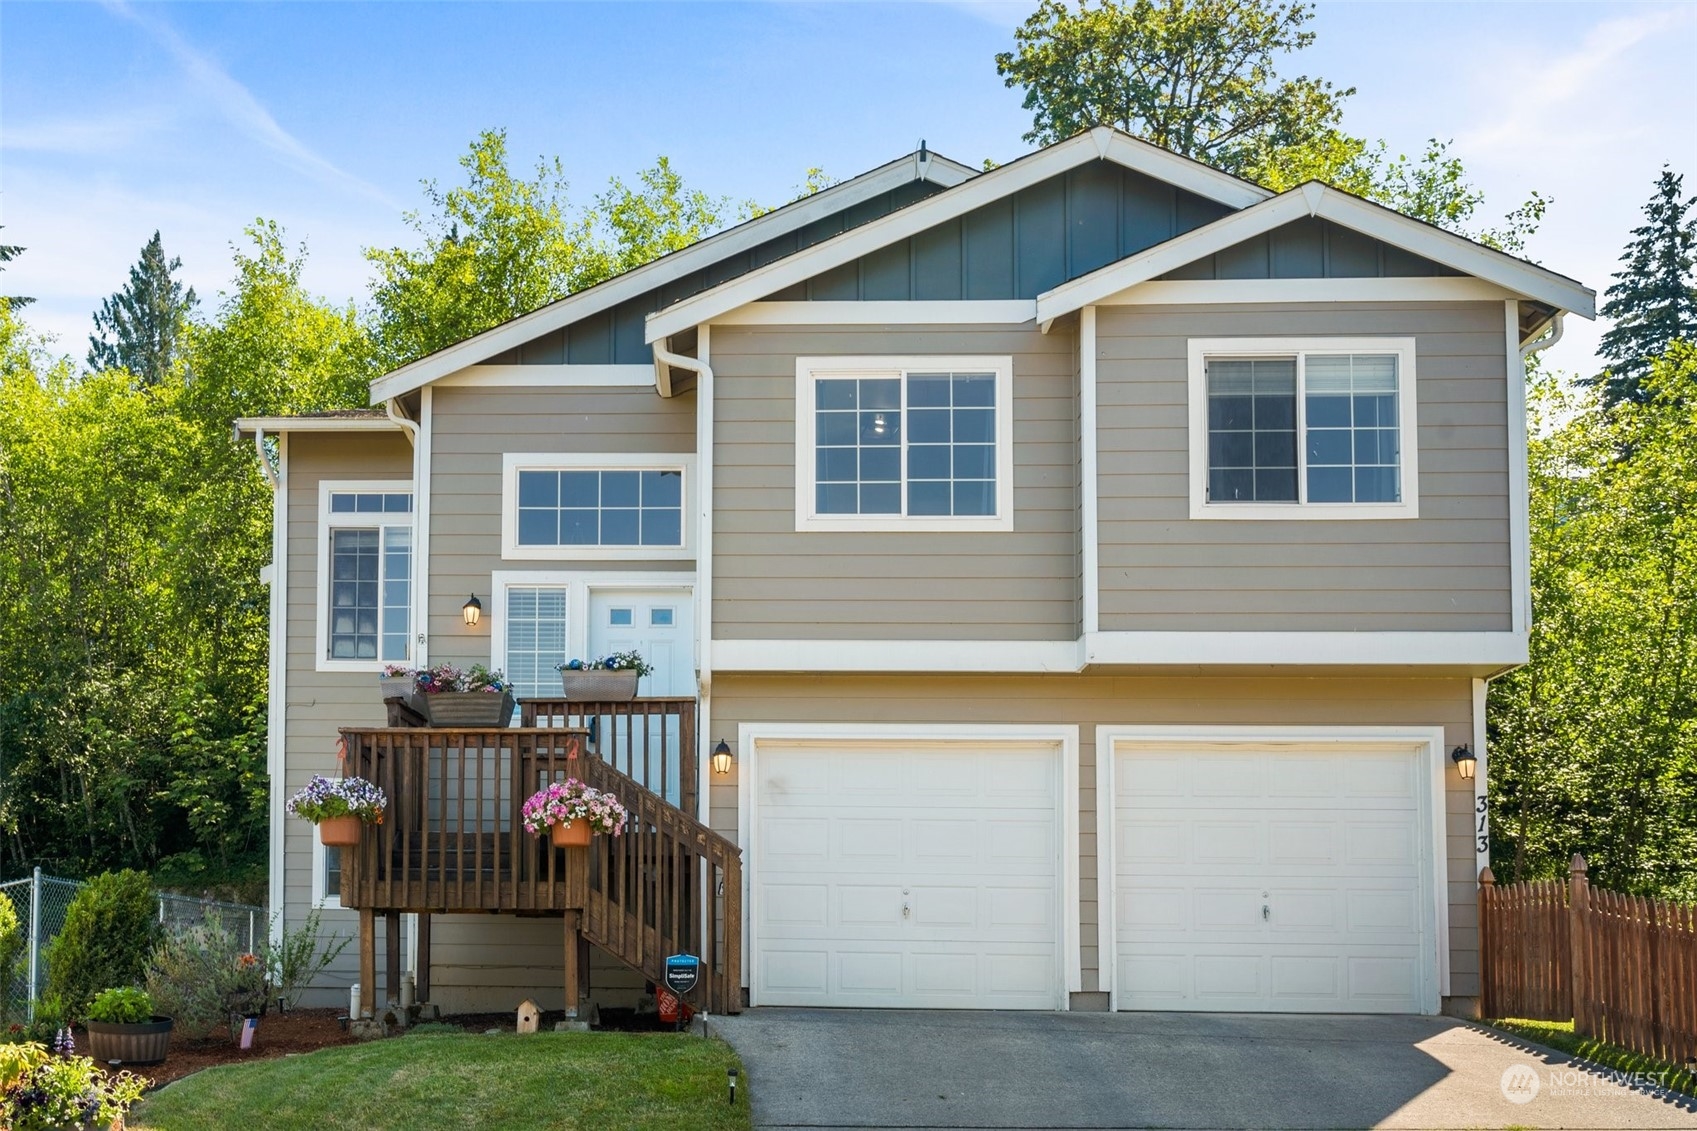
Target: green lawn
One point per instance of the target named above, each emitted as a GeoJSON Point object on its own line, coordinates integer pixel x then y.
{"type": "Point", "coordinates": [449, 1080]}
{"type": "Point", "coordinates": [1559, 1035]}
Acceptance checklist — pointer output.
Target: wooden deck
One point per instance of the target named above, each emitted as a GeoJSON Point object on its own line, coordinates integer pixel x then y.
{"type": "Point", "coordinates": [454, 841]}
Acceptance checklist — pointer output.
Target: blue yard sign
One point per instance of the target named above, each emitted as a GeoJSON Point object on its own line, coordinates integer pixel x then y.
{"type": "Point", "coordinates": [682, 972]}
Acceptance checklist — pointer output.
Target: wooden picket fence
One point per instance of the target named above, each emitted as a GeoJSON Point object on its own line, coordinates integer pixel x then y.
{"type": "Point", "coordinates": [1622, 968]}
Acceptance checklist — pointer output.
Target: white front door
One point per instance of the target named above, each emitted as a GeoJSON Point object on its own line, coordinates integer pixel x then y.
{"type": "Point", "coordinates": [1273, 877]}
{"type": "Point", "coordinates": [921, 874]}
{"type": "Point", "coordinates": [654, 622]}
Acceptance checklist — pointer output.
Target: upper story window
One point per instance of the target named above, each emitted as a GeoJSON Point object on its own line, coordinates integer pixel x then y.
{"type": "Point", "coordinates": [365, 576]}
{"type": "Point", "coordinates": [1303, 428]}
{"type": "Point", "coordinates": [597, 506]}
{"type": "Point", "coordinates": [916, 443]}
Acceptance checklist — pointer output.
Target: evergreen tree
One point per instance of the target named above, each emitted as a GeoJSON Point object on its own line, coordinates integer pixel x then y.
{"type": "Point", "coordinates": [139, 327]}
{"type": "Point", "coordinates": [9, 252]}
{"type": "Point", "coordinates": [1653, 300]}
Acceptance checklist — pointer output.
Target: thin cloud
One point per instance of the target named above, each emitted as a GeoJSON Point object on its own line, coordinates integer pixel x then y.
{"type": "Point", "coordinates": [79, 137]}
{"type": "Point", "coordinates": [243, 110]}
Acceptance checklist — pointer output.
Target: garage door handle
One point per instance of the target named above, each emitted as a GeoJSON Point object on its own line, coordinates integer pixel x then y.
{"type": "Point", "coordinates": [904, 909]}
{"type": "Point", "coordinates": [1266, 912]}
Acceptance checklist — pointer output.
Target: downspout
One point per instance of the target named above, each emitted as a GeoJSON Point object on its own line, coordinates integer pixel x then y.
{"type": "Point", "coordinates": [265, 467]}
{"type": "Point", "coordinates": [392, 407]}
{"type": "Point", "coordinates": [1545, 341]}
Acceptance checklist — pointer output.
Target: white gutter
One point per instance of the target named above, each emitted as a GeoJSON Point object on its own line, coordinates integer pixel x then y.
{"type": "Point", "coordinates": [392, 408]}
{"type": "Point", "coordinates": [265, 467]}
{"type": "Point", "coordinates": [1545, 341]}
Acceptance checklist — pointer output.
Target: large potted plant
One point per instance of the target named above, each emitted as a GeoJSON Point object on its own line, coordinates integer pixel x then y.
{"type": "Point", "coordinates": [572, 812]}
{"type": "Point", "coordinates": [607, 679]}
{"type": "Point", "coordinates": [397, 681]}
{"type": "Point", "coordinates": [450, 697]}
{"type": "Point", "coordinates": [122, 1027]}
{"type": "Point", "coordinates": [340, 807]}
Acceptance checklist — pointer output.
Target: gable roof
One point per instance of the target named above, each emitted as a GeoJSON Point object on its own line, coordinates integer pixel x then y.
{"type": "Point", "coordinates": [1101, 143]}
{"type": "Point", "coordinates": [1315, 199]}
{"type": "Point", "coordinates": [921, 165]}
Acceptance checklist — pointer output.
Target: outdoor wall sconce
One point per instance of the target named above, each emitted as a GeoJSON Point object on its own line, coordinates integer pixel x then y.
{"type": "Point", "coordinates": [1464, 760]}
{"type": "Point", "coordinates": [722, 758]}
{"type": "Point", "coordinates": [472, 611]}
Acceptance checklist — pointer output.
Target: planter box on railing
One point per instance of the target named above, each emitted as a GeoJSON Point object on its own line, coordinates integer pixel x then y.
{"type": "Point", "coordinates": [598, 685]}
{"type": "Point", "coordinates": [466, 708]}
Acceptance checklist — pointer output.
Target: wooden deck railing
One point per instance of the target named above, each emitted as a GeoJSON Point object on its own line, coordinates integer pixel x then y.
{"type": "Point", "coordinates": [1622, 968]}
{"type": "Point", "coordinates": [453, 839]}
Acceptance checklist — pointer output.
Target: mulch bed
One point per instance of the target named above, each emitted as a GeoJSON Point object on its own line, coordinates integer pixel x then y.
{"type": "Point", "coordinates": [280, 1034]}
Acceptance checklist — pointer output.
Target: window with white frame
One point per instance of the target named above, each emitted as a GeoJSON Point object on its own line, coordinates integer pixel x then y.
{"type": "Point", "coordinates": [918, 443]}
{"type": "Point", "coordinates": [326, 875]}
{"type": "Point", "coordinates": [365, 576]}
{"type": "Point", "coordinates": [1309, 428]}
{"type": "Point", "coordinates": [596, 506]}
{"type": "Point", "coordinates": [536, 643]}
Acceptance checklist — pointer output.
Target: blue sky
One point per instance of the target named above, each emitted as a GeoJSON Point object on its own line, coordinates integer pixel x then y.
{"type": "Point", "coordinates": [197, 118]}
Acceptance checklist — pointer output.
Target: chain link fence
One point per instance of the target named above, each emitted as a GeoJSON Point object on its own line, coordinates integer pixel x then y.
{"type": "Point", "coordinates": [41, 902]}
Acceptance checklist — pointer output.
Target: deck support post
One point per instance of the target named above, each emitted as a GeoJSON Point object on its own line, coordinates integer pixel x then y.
{"type": "Point", "coordinates": [392, 959]}
{"type": "Point", "coordinates": [367, 962]}
{"type": "Point", "coordinates": [573, 970]}
{"type": "Point", "coordinates": [421, 976]}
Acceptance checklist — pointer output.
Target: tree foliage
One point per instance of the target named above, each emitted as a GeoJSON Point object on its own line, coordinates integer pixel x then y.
{"type": "Point", "coordinates": [110, 930]}
{"type": "Point", "coordinates": [9, 252]}
{"type": "Point", "coordinates": [1594, 743]}
{"type": "Point", "coordinates": [139, 328]}
{"type": "Point", "coordinates": [1653, 300]}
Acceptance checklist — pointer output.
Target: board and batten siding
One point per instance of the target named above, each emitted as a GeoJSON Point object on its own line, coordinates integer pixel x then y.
{"type": "Point", "coordinates": [471, 429]}
{"type": "Point", "coordinates": [317, 703]}
{"type": "Point", "coordinates": [1089, 701]}
{"type": "Point", "coordinates": [1447, 570]}
{"type": "Point", "coordinates": [771, 581]}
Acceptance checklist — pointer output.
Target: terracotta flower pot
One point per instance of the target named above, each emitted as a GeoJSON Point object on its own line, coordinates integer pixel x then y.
{"type": "Point", "coordinates": [340, 832]}
{"type": "Point", "coordinates": [572, 834]}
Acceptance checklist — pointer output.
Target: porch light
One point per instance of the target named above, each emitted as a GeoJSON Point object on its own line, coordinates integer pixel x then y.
{"type": "Point", "coordinates": [722, 758]}
{"type": "Point", "coordinates": [1465, 762]}
{"type": "Point", "coordinates": [472, 610]}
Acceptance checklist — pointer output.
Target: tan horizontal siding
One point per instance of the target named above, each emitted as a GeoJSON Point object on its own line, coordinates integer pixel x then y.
{"type": "Point", "coordinates": [774, 582]}
{"type": "Point", "coordinates": [1160, 570]}
{"type": "Point", "coordinates": [1089, 701]}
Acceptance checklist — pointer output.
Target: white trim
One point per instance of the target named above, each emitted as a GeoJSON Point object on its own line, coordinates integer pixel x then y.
{"type": "Point", "coordinates": [816, 655]}
{"type": "Point", "coordinates": [1205, 292]}
{"type": "Point", "coordinates": [321, 610]}
{"type": "Point", "coordinates": [1513, 275]}
{"type": "Point", "coordinates": [894, 312]}
{"type": "Point", "coordinates": [1407, 420]}
{"type": "Point", "coordinates": [1064, 737]}
{"type": "Point", "coordinates": [248, 425]}
{"type": "Point", "coordinates": [1519, 485]}
{"type": "Point", "coordinates": [548, 376]}
{"type": "Point", "coordinates": [1089, 485]}
{"type": "Point", "coordinates": [277, 692]}
{"type": "Point", "coordinates": [1481, 777]}
{"type": "Point", "coordinates": [513, 462]}
{"type": "Point", "coordinates": [984, 189]}
{"type": "Point", "coordinates": [809, 368]}
{"type": "Point", "coordinates": [579, 586]}
{"type": "Point", "coordinates": [902, 171]}
{"type": "Point", "coordinates": [1428, 741]}
{"type": "Point", "coordinates": [321, 894]}
{"type": "Point", "coordinates": [421, 452]}
{"type": "Point", "coordinates": [1478, 650]}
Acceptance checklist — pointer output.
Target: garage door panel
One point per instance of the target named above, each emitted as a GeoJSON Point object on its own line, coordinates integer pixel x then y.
{"type": "Point", "coordinates": [941, 886]}
{"type": "Point", "coordinates": [1270, 877]}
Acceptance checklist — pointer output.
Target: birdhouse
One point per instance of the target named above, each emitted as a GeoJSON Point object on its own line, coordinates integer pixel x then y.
{"type": "Point", "coordinates": [530, 1016]}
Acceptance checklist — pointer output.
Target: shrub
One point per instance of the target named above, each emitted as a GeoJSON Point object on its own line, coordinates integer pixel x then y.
{"type": "Point", "coordinates": [123, 1005]}
{"type": "Point", "coordinates": [198, 976]}
{"type": "Point", "coordinates": [110, 930]}
{"type": "Point", "coordinates": [297, 959]}
{"type": "Point", "coordinates": [61, 1093]}
{"type": "Point", "coordinates": [11, 954]}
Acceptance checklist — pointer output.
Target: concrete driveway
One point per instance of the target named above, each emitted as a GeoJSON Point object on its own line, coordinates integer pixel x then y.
{"type": "Point", "coordinates": [820, 1068]}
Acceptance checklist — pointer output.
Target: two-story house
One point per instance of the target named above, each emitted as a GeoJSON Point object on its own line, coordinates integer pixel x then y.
{"type": "Point", "coordinates": [1092, 567]}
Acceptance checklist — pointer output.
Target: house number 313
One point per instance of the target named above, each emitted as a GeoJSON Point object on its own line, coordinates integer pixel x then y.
{"type": "Point", "coordinates": [1481, 824]}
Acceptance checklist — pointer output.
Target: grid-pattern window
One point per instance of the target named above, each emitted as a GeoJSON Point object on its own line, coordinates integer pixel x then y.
{"type": "Point", "coordinates": [1252, 429]}
{"type": "Point", "coordinates": [536, 638]}
{"type": "Point", "coordinates": [1354, 444]}
{"type": "Point", "coordinates": [332, 874]}
{"type": "Point", "coordinates": [636, 507]}
{"type": "Point", "coordinates": [370, 582]}
{"type": "Point", "coordinates": [915, 444]}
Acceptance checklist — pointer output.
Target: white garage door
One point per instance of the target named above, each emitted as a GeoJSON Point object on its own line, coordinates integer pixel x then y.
{"type": "Point", "coordinates": [1273, 878]}
{"type": "Point", "coordinates": [919, 874]}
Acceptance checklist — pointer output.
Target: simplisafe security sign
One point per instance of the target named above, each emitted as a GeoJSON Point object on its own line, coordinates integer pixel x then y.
{"type": "Point", "coordinates": [682, 972]}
